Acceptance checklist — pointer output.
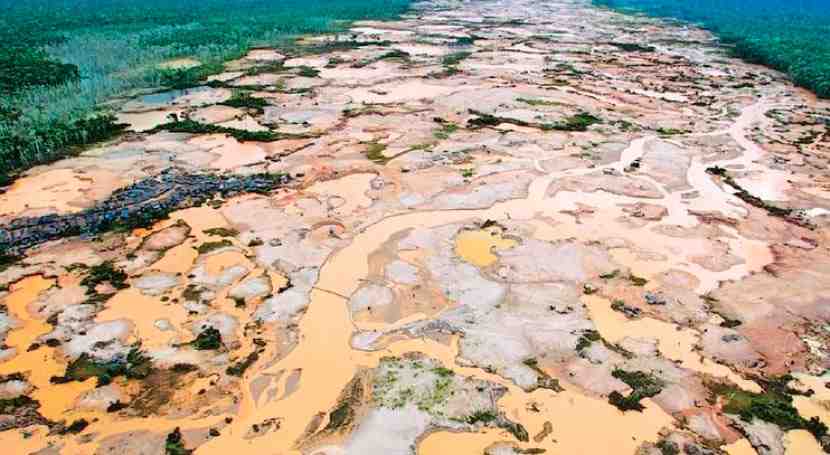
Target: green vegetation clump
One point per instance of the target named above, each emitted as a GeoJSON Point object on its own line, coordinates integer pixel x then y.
{"type": "Point", "coordinates": [789, 36]}
{"type": "Point", "coordinates": [455, 58]}
{"type": "Point", "coordinates": [586, 339]}
{"type": "Point", "coordinates": [174, 445]}
{"type": "Point", "coordinates": [221, 232]}
{"type": "Point", "coordinates": [374, 151]}
{"type": "Point", "coordinates": [7, 260]}
{"type": "Point", "coordinates": [340, 416]}
{"type": "Point", "coordinates": [446, 129]}
{"type": "Point", "coordinates": [482, 416]}
{"type": "Point", "coordinates": [443, 372]}
{"type": "Point", "coordinates": [244, 100]}
{"type": "Point", "coordinates": [61, 60]}
{"type": "Point", "coordinates": [10, 405]}
{"type": "Point", "coordinates": [104, 272]}
{"type": "Point", "coordinates": [483, 120]}
{"type": "Point", "coordinates": [209, 339]}
{"type": "Point", "coordinates": [390, 55]}
{"type": "Point", "coordinates": [307, 71]}
{"type": "Point", "coordinates": [643, 385]}
{"type": "Point", "coordinates": [538, 102]}
{"type": "Point", "coordinates": [181, 78]}
{"type": "Point", "coordinates": [633, 47]}
{"type": "Point", "coordinates": [773, 405]}
{"type": "Point", "coordinates": [663, 131]}
{"type": "Point", "coordinates": [207, 247]}
{"type": "Point", "coordinates": [610, 275]}
{"type": "Point", "coordinates": [668, 447]}
{"type": "Point", "coordinates": [134, 366]}
{"type": "Point", "coordinates": [578, 122]}
{"type": "Point", "coordinates": [194, 127]}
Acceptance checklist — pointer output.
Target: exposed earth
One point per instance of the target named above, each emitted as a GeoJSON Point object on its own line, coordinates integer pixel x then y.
{"type": "Point", "coordinates": [491, 227]}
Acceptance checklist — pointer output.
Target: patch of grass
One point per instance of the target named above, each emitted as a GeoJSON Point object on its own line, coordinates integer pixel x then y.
{"type": "Point", "coordinates": [465, 40]}
{"type": "Point", "coordinates": [363, 110]}
{"type": "Point", "coordinates": [670, 131]}
{"type": "Point", "coordinates": [443, 372]}
{"type": "Point", "coordinates": [75, 427]}
{"type": "Point", "coordinates": [209, 339]}
{"type": "Point", "coordinates": [104, 272]}
{"type": "Point", "coordinates": [643, 385]}
{"type": "Point", "coordinates": [307, 71]}
{"type": "Point", "coordinates": [773, 405]}
{"type": "Point", "coordinates": [273, 67]}
{"type": "Point", "coordinates": [632, 47]}
{"type": "Point", "coordinates": [610, 275]}
{"type": "Point", "coordinates": [390, 55]}
{"type": "Point", "coordinates": [483, 120]}
{"type": "Point", "coordinates": [637, 281]}
{"type": "Point", "coordinates": [134, 366]}
{"type": "Point", "coordinates": [174, 445]}
{"type": "Point", "coordinates": [482, 416]}
{"type": "Point", "coordinates": [538, 102]}
{"type": "Point", "coordinates": [468, 172]}
{"type": "Point", "coordinates": [221, 232]}
{"type": "Point", "coordinates": [181, 78]}
{"type": "Point", "coordinates": [578, 122]}
{"type": "Point", "coordinates": [192, 293]}
{"type": "Point", "coordinates": [374, 151]}
{"type": "Point", "coordinates": [455, 58]}
{"type": "Point", "coordinates": [244, 100]}
{"type": "Point", "coordinates": [10, 405]}
{"type": "Point", "coordinates": [446, 129]}
{"type": "Point", "coordinates": [194, 127]}
{"type": "Point", "coordinates": [207, 247]}
{"type": "Point", "coordinates": [587, 338]}
{"type": "Point", "coordinates": [446, 72]}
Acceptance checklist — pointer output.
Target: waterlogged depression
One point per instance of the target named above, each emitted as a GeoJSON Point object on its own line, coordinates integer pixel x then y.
{"type": "Point", "coordinates": [510, 227]}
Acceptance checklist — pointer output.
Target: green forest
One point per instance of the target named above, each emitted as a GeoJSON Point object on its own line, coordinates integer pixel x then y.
{"type": "Point", "coordinates": [60, 59]}
{"type": "Point", "coordinates": [790, 36]}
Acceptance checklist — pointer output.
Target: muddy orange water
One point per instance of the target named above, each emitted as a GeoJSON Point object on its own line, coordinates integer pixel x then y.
{"type": "Point", "coordinates": [477, 246]}
{"type": "Point", "coordinates": [39, 365]}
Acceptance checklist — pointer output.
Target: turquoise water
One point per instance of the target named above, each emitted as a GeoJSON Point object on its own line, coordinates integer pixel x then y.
{"type": "Point", "coordinates": [792, 36]}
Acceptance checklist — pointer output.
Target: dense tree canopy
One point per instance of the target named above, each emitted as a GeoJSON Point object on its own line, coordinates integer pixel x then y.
{"type": "Point", "coordinates": [791, 36]}
{"type": "Point", "coordinates": [59, 59]}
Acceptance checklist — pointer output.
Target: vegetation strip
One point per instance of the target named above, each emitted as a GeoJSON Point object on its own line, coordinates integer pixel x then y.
{"type": "Point", "coordinates": [138, 205]}
{"type": "Point", "coordinates": [742, 194]}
